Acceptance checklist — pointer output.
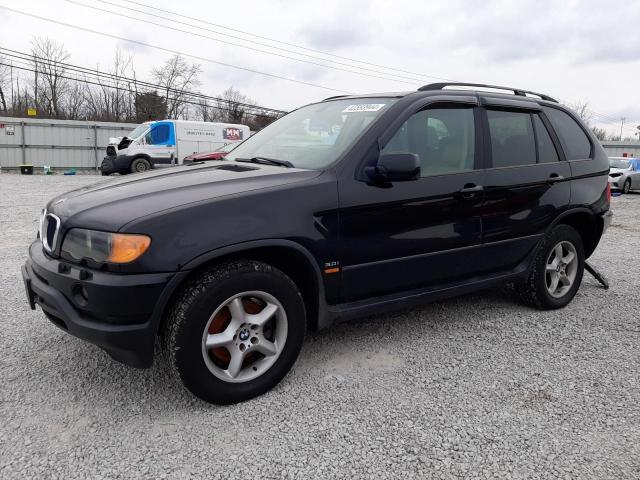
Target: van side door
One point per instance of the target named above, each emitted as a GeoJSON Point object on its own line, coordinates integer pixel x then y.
{"type": "Point", "coordinates": [528, 180]}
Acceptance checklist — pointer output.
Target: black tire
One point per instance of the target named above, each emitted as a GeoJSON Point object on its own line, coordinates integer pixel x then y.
{"type": "Point", "coordinates": [139, 165]}
{"type": "Point", "coordinates": [183, 333]}
{"type": "Point", "coordinates": [626, 188]}
{"type": "Point", "coordinates": [534, 291]}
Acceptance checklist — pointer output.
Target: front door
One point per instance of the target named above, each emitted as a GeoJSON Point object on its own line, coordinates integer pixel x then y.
{"type": "Point", "coordinates": [416, 233]}
{"type": "Point", "coordinates": [160, 143]}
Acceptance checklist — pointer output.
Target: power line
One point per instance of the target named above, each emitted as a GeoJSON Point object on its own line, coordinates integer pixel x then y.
{"type": "Point", "coordinates": [175, 52]}
{"type": "Point", "coordinates": [128, 89]}
{"type": "Point", "coordinates": [400, 78]}
{"type": "Point", "coordinates": [155, 8]}
{"type": "Point", "coordinates": [29, 59]}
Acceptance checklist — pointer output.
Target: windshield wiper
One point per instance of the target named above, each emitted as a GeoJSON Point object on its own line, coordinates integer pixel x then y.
{"type": "Point", "coordinates": [267, 161]}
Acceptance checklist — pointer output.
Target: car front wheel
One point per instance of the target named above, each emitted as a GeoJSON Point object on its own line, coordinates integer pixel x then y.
{"type": "Point", "coordinates": [557, 270]}
{"type": "Point", "coordinates": [627, 186]}
{"type": "Point", "coordinates": [235, 331]}
{"type": "Point", "coordinates": [140, 165]}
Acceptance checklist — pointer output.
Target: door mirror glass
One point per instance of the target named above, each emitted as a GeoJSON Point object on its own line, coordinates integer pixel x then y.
{"type": "Point", "coordinates": [396, 167]}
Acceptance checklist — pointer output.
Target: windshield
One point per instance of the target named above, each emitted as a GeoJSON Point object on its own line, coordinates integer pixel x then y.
{"type": "Point", "coordinates": [139, 130]}
{"type": "Point", "coordinates": [618, 163]}
{"type": "Point", "coordinates": [228, 147]}
{"type": "Point", "coordinates": [313, 136]}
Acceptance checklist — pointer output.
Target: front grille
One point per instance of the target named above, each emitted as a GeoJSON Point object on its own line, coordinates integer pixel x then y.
{"type": "Point", "coordinates": [49, 231]}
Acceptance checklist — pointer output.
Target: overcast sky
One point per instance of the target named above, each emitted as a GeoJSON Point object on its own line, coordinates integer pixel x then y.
{"type": "Point", "coordinates": [575, 50]}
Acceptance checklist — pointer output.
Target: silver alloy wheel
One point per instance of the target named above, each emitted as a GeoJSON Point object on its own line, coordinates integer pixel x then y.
{"type": "Point", "coordinates": [561, 269]}
{"type": "Point", "coordinates": [254, 341]}
{"type": "Point", "coordinates": [141, 167]}
{"type": "Point", "coordinates": [627, 186]}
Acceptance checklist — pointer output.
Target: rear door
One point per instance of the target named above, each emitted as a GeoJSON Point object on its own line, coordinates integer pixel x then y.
{"type": "Point", "coordinates": [527, 181]}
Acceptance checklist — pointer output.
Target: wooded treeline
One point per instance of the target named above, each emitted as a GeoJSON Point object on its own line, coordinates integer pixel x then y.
{"type": "Point", "coordinates": [47, 81]}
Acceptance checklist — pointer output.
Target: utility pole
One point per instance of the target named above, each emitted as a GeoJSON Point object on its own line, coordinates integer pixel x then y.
{"type": "Point", "coordinates": [622, 120]}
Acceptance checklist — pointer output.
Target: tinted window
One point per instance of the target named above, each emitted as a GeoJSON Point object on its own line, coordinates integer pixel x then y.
{"type": "Point", "coordinates": [443, 139]}
{"type": "Point", "coordinates": [512, 140]}
{"type": "Point", "coordinates": [159, 135]}
{"type": "Point", "coordinates": [546, 150]}
{"type": "Point", "coordinates": [574, 141]}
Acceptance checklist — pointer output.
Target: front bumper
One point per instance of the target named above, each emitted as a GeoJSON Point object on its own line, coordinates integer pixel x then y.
{"type": "Point", "coordinates": [117, 312]}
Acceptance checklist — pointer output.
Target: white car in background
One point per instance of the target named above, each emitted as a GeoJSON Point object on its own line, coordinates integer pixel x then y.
{"type": "Point", "coordinates": [624, 173]}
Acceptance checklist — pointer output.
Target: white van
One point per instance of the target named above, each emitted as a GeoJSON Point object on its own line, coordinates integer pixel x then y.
{"type": "Point", "coordinates": [166, 143]}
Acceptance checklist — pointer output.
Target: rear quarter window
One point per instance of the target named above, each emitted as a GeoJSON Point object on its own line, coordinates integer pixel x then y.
{"type": "Point", "coordinates": [574, 140]}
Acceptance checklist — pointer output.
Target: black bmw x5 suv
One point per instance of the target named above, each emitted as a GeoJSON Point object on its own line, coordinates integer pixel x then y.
{"type": "Point", "coordinates": [343, 208]}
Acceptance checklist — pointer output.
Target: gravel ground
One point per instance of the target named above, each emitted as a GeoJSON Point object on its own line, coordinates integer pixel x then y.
{"type": "Point", "coordinates": [474, 387]}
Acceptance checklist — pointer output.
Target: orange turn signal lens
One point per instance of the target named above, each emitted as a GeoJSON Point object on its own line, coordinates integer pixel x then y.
{"type": "Point", "coordinates": [126, 248]}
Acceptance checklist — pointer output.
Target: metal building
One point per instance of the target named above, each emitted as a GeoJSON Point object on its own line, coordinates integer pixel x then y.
{"type": "Point", "coordinates": [620, 148]}
{"type": "Point", "coordinates": [61, 144]}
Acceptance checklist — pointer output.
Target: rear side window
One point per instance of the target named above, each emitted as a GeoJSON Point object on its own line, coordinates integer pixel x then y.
{"type": "Point", "coordinates": [512, 140]}
{"type": "Point", "coordinates": [574, 141]}
{"type": "Point", "coordinates": [546, 150]}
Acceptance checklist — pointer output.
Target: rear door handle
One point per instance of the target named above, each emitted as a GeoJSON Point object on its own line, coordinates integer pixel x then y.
{"type": "Point", "coordinates": [554, 177]}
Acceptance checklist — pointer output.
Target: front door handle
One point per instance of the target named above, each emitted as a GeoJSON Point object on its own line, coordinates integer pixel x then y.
{"type": "Point", "coordinates": [470, 190]}
{"type": "Point", "coordinates": [554, 177]}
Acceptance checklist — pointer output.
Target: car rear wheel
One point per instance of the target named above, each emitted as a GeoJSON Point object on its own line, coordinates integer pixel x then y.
{"type": "Point", "coordinates": [140, 165]}
{"type": "Point", "coordinates": [235, 331]}
{"type": "Point", "coordinates": [557, 270]}
{"type": "Point", "coordinates": [627, 186]}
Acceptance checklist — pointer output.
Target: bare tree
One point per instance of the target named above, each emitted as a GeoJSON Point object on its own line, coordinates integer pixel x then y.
{"type": "Point", "coordinates": [581, 108]}
{"type": "Point", "coordinates": [112, 99]}
{"type": "Point", "coordinates": [178, 78]}
{"type": "Point", "coordinates": [4, 81]}
{"type": "Point", "coordinates": [600, 133]}
{"type": "Point", "coordinates": [232, 106]}
{"type": "Point", "coordinates": [50, 84]}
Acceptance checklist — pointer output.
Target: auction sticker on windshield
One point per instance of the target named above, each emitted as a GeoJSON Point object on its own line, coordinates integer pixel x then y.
{"type": "Point", "coordinates": [364, 107]}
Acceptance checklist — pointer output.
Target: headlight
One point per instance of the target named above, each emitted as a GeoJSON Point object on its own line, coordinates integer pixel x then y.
{"type": "Point", "coordinates": [102, 247]}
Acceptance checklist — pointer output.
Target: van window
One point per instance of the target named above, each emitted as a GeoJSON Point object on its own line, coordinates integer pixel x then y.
{"type": "Point", "coordinates": [574, 141]}
{"type": "Point", "coordinates": [512, 140]}
{"type": "Point", "coordinates": [546, 149]}
{"type": "Point", "coordinates": [158, 135]}
{"type": "Point", "coordinates": [443, 138]}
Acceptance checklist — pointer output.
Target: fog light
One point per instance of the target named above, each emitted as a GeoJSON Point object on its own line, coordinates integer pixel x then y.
{"type": "Point", "coordinates": [80, 295]}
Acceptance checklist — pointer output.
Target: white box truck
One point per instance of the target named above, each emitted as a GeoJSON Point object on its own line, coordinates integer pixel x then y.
{"type": "Point", "coordinates": [166, 143]}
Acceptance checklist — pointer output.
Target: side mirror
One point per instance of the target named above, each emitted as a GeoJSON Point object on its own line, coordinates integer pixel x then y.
{"type": "Point", "coordinates": [395, 167]}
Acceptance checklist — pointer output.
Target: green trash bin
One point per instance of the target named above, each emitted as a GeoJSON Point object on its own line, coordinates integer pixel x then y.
{"type": "Point", "coordinates": [26, 169]}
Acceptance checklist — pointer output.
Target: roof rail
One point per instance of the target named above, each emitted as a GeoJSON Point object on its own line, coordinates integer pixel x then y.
{"type": "Point", "coordinates": [516, 91]}
{"type": "Point", "coordinates": [335, 96]}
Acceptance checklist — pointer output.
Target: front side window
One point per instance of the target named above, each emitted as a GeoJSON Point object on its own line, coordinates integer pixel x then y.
{"type": "Point", "coordinates": [443, 139]}
{"type": "Point", "coordinates": [158, 135]}
{"type": "Point", "coordinates": [512, 139]}
{"type": "Point", "coordinates": [316, 135]}
{"type": "Point", "coordinates": [574, 141]}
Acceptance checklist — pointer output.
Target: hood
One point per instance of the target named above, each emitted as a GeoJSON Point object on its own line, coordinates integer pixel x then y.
{"type": "Point", "coordinates": [115, 140]}
{"type": "Point", "coordinates": [111, 204]}
{"type": "Point", "coordinates": [617, 170]}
